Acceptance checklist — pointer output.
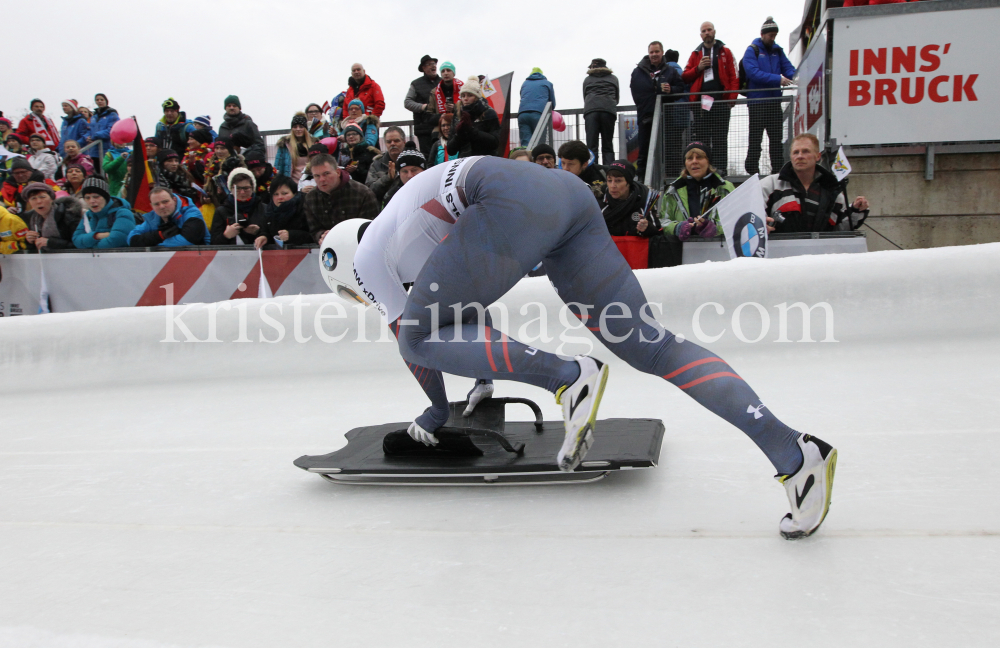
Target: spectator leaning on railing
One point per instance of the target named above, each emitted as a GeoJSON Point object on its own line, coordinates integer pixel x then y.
{"type": "Point", "coordinates": [536, 91]}
{"type": "Point", "coordinates": [805, 197]}
{"type": "Point", "coordinates": [51, 221]}
{"type": "Point", "coordinates": [418, 102]}
{"type": "Point", "coordinates": [174, 222]}
{"type": "Point", "coordinates": [686, 203]}
{"type": "Point", "coordinates": [711, 68]}
{"type": "Point", "coordinates": [336, 198]}
{"type": "Point", "coordinates": [600, 109]}
{"type": "Point", "coordinates": [363, 87]}
{"type": "Point", "coordinates": [110, 219]}
{"type": "Point", "coordinates": [766, 66]}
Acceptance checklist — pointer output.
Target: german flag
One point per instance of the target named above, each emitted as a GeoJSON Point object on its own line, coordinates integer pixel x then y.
{"type": "Point", "coordinates": [139, 184]}
{"type": "Point", "coordinates": [497, 95]}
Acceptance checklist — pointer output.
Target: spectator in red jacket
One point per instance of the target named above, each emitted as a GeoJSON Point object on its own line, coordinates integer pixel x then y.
{"type": "Point", "coordinates": [37, 122]}
{"type": "Point", "coordinates": [363, 87]}
{"type": "Point", "coordinates": [711, 68]}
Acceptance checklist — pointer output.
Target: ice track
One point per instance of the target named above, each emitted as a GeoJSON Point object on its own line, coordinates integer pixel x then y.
{"type": "Point", "coordinates": [148, 499]}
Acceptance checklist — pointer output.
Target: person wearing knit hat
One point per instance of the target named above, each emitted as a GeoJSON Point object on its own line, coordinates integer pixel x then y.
{"type": "Point", "coordinates": [600, 109]}
{"type": "Point", "coordinates": [242, 216]}
{"type": "Point", "coordinates": [173, 127]}
{"type": "Point", "coordinates": [477, 131]}
{"type": "Point", "coordinates": [74, 126]}
{"type": "Point", "coordinates": [544, 155]}
{"type": "Point", "coordinates": [766, 66]}
{"type": "Point", "coordinates": [626, 204]}
{"type": "Point", "coordinates": [536, 92]}
{"type": "Point", "coordinates": [201, 136]}
{"type": "Point", "coordinates": [53, 217]}
{"type": "Point", "coordinates": [204, 122]}
{"type": "Point", "coordinates": [107, 221]}
{"type": "Point", "coordinates": [96, 185]}
{"type": "Point", "coordinates": [686, 203]}
{"type": "Point", "coordinates": [6, 126]}
{"type": "Point", "coordinates": [15, 143]}
{"type": "Point", "coordinates": [410, 162]}
{"type": "Point", "coordinates": [240, 129]}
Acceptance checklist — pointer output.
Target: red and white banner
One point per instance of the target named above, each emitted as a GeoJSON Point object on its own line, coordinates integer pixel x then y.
{"type": "Point", "coordinates": [810, 77]}
{"type": "Point", "coordinates": [88, 281]}
{"type": "Point", "coordinates": [921, 77]}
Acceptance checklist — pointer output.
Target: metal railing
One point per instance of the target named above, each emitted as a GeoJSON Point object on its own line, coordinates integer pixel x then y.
{"type": "Point", "coordinates": [736, 131]}
{"type": "Point", "coordinates": [575, 130]}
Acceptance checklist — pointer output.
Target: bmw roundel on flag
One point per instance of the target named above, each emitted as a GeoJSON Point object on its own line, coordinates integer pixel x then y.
{"type": "Point", "coordinates": [743, 216]}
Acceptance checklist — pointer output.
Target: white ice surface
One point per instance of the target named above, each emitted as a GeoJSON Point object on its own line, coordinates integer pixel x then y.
{"type": "Point", "coordinates": [148, 499]}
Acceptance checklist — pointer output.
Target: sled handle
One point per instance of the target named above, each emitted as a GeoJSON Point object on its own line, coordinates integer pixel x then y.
{"type": "Point", "coordinates": [534, 408]}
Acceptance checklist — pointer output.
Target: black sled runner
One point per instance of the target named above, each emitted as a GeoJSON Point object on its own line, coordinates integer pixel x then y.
{"type": "Point", "coordinates": [483, 449]}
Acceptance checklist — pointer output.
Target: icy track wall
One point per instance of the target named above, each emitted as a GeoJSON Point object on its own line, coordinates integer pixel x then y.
{"type": "Point", "coordinates": [854, 299]}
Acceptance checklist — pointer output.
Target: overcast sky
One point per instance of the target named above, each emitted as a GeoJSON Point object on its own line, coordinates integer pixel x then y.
{"type": "Point", "coordinates": [277, 57]}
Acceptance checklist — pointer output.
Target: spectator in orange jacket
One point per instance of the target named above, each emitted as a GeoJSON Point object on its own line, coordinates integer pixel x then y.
{"type": "Point", "coordinates": [711, 68]}
{"type": "Point", "coordinates": [363, 87]}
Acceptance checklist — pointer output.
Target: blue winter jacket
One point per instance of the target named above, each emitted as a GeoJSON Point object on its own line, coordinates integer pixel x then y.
{"type": "Point", "coordinates": [536, 91]}
{"type": "Point", "coordinates": [74, 127]}
{"type": "Point", "coordinates": [766, 69]}
{"type": "Point", "coordinates": [185, 210]}
{"type": "Point", "coordinates": [116, 218]}
{"type": "Point", "coordinates": [103, 120]}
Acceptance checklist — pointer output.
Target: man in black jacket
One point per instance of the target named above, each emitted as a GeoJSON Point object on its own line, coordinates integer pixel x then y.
{"type": "Point", "coordinates": [651, 78]}
{"type": "Point", "coordinates": [239, 127]}
{"type": "Point", "coordinates": [418, 101]}
{"type": "Point", "coordinates": [574, 157]}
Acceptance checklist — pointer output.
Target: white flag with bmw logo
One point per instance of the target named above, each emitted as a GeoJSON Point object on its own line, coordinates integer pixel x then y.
{"type": "Point", "coordinates": [743, 216]}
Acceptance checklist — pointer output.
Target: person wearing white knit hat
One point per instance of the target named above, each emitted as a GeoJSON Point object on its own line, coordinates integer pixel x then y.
{"type": "Point", "coordinates": [478, 127]}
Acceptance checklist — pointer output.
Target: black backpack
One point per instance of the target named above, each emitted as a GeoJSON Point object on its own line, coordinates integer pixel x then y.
{"type": "Point", "coordinates": [744, 84]}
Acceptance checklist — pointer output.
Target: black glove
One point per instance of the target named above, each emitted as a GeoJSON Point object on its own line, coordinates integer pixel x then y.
{"type": "Point", "coordinates": [168, 229]}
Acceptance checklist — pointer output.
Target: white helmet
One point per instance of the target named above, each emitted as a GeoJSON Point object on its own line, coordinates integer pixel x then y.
{"type": "Point", "coordinates": [336, 258]}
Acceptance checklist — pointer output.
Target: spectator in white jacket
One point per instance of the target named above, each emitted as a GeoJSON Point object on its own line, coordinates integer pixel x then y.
{"type": "Point", "coordinates": [42, 158]}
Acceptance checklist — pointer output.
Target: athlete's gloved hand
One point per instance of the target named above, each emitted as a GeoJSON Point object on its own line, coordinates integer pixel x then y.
{"type": "Point", "coordinates": [483, 389]}
{"type": "Point", "coordinates": [418, 433]}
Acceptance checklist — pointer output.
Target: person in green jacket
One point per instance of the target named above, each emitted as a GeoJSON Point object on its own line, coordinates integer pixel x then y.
{"type": "Point", "coordinates": [109, 219]}
{"type": "Point", "coordinates": [688, 199]}
{"type": "Point", "coordinates": [116, 168]}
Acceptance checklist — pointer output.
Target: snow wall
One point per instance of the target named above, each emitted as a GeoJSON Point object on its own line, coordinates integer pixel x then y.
{"type": "Point", "coordinates": [854, 299]}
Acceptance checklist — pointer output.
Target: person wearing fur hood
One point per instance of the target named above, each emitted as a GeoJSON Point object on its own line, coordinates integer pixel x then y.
{"type": "Point", "coordinates": [600, 108]}
{"type": "Point", "coordinates": [242, 216]}
{"type": "Point", "coordinates": [477, 126]}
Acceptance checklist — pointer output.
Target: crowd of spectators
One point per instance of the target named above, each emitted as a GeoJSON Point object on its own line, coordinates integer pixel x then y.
{"type": "Point", "coordinates": [66, 186]}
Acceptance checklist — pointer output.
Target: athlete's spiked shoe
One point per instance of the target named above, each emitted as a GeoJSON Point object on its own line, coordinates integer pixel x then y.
{"type": "Point", "coordinates": [809, 489]}
{"type": "Point", "coordinates": [580, 402]}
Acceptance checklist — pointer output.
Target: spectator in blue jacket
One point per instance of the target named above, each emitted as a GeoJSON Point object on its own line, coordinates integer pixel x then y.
{"type": "Point", "coordinates": [766, 66]}
{"type": "Point", "coordinates": [74, 126]}
{"type": "Point", "coordinates": [536, 91]}
{"type": "Point", "coordinates": [174, 222]}
{"type": "Point", "coordinates": [103, 120]}
{"type": "Point", "coordinates": [109, 219]}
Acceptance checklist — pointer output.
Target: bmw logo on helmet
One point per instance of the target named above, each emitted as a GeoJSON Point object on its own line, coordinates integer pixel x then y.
{"type": "Point", "coordinates": [750, 236]}
{"type": "Point", "coordinates": [329, 259]}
